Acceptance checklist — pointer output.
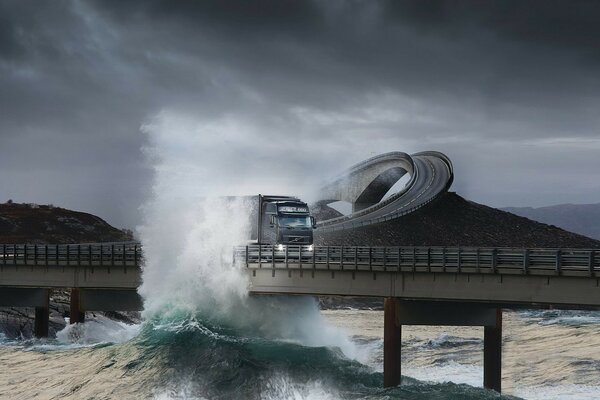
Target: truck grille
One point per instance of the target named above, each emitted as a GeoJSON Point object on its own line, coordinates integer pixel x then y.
{"type": "Point", "coordinates": [296, 239]}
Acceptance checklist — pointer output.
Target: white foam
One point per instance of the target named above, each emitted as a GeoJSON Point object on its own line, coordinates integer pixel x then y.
{"type": "Point", "coordinates": [97, 331]}
{"type": "Point", "coordinates": [189, 235]}
{"type": "Point", "coordinates": [559, 392]}
{"type": "Point", "coordinates": [450, 371]}
{"type": "Point", "coordinates": [280, 387]}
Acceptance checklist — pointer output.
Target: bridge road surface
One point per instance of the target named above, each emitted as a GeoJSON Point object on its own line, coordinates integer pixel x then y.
{"type": "Point", "coordinates": [432, 177]}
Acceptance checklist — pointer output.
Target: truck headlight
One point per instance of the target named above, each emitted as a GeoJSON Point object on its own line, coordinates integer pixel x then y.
{"type": "Point", "coordinates": [280, 247]}
{"type": "Point", "coordinates": [310, 247]}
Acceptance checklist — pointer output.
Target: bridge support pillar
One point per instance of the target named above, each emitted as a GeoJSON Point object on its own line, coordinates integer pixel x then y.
{"type": "Point", "coordinates": [42, 316]}
{"type": "Point", "coordinates": [77, 314]}
{"type": "Point", "coordinates": [492, 354]}
{"type": "Point", "coordinates": [392, 335]}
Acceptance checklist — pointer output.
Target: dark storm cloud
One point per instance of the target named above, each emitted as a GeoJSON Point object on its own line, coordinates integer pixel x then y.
{"type": "Point", "coordinates": [77, 79]}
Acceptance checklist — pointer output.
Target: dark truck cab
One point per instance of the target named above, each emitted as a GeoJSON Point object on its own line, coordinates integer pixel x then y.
{"type": "Point", "coordinates": [282, 220]}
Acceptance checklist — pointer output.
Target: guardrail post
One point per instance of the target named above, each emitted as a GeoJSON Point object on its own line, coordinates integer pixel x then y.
{"type": "Point", "coordinates": [429, 259]}
{"type": "Point", "coordinates": [591, 263]}
{"type": "Point", "coordinates": [414, 259]}
{"type": "Point", "coordinates": [385, 252]}
{"type": "Point", "coordinates": [273, 259]}
{"type": "Point", "coordinates": [525, 261]}
{"type": "Point", "coordinates": [78, 255]}
{"type": "Point", "coordinates": [355, 258]}
{"type": "Point", "coordinates": [35, 261]}
{"type": "Point", "coordinates": [260, 256]}
{"type": "Point", "coordinates": [56, 254]}
{"type": "Point", "coordinates": [558, 261]}
{"type": "Point", "coordinates": [286, 257]}
{"type": "Point", "coordinates": [4, 254]}
{"type": "Point", "coordinates": [135, 254]}
{"type": "Point", "coordinates": [444, 259]}
{"type": "Point", "coordinates": [478, 261]}
{"type": "Point", "coordinates": [494, 260]}
{"type": "Point", "coordinates": [314, 260]}
{"type": "Point", "coordinates": [370, 258]}
{"type": "Point", "coordinates": [327, 256]}
{"type": "Point", "coordinates": [247, 261]}
{"type": "Point", "coordinates": [399, 259]}
{"type": "Point", "coordinates": [342, 258]}
{"type": "Point", "coordinates": [102, 257]}
{"type": "Point", "coordinates": [46, 255]}
{"type": "Point", "coordinates": [458, 260]}
{"type": "Point", "coordinates": [25, 254]}
{"type": "Point", "coordinates": [112, 255]}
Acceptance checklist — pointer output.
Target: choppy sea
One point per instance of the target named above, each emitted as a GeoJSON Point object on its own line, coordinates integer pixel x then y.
{"type": "Point", "coordinates": [546, 355]}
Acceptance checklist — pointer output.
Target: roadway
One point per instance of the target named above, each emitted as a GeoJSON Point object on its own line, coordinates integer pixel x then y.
{"type": "Point", "coordinates": [431, 176]}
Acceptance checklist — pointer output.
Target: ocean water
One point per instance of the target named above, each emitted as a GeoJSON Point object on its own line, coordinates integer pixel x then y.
{"type": "Point", "coordinates": [546, 355]}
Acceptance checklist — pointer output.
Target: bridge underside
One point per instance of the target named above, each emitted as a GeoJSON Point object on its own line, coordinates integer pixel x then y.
{"type": "Point", "coordinates": [82, 300]}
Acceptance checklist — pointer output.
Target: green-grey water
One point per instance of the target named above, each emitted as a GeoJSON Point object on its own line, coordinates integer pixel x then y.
{"type": "Point", "coordinates": [550, 355]}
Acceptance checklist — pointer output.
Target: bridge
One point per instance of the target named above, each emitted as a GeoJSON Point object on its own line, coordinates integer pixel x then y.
{"type": "Point", "coordinates": [420, 285]}
{"type": "Point", "coordinates": [365, 184]}
{"type": "Point", "coordinates": [433, 286]}
{"type": "Point", "coordinates": [100, 277]}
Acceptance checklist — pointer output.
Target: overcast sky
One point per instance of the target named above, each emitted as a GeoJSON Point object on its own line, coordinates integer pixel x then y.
{"type": "Point", "coordinates": [273, 94]}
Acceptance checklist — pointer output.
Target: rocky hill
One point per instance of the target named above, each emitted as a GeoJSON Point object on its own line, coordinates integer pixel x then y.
{"type": "Point", "coordinates": [32, 223]}
{"type": "Point", "coordinates": [579, 218]}
{"type": "Point", "coordinates": [454, 221]}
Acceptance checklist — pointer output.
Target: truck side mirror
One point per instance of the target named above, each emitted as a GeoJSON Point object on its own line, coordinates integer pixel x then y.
{"type": "Point", "coordinates": [272, 220]}
{"type": "Point", "coordinates": [313, 222]}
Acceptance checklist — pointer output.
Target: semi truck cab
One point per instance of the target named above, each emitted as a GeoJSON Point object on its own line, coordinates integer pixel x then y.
{"type": "Point", "coordinates": [284, 220]}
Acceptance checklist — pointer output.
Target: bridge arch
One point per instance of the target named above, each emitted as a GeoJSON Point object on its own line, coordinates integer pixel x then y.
{"type": "Point", "coordinates": [365, 183]}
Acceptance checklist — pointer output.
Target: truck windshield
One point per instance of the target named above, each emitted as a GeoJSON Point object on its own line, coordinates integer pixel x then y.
{"type": "Point", "coordinates": [292, 221]}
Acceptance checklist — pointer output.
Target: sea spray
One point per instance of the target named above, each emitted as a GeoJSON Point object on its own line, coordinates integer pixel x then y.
{"type": "Point", "coordinates": [190, 230]}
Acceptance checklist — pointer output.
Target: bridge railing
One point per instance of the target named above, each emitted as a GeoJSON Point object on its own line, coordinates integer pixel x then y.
{"type": "Point", "coordinates": [568, 262]}
{"type": "Point", "coordinates": [93, 254]}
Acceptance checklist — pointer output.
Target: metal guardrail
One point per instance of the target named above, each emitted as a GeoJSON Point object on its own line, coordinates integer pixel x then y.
{"type": "Point", "coordinates": [93, 254]}
{"type": "Point", "coordinates": [550, 262]}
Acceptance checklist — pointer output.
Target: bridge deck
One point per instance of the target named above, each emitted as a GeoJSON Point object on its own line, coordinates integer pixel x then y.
{"type": "Point", "coordinates": [562, 277]}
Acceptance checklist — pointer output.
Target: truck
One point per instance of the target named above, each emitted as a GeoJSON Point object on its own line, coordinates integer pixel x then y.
{"type": "Point", "coordinates": [280, 221]}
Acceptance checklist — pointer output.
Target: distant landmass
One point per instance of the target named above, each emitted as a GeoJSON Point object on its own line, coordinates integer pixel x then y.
{"type": "Point", "coordinates": [579, 218]}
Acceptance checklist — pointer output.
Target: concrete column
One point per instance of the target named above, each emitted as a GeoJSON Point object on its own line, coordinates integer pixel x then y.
{"type": "Point", "coordinates": [392, 335]}
{"type": "Point", "coordinates": [492, 354]}
{"type": "Point", "coordinates": [77, 314]}
{"type": "Point", "coordinates": [42, 316]}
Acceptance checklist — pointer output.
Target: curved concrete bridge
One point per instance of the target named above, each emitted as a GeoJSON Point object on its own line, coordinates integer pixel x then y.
{"type": "Point", "coordinates": [365, 184]}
